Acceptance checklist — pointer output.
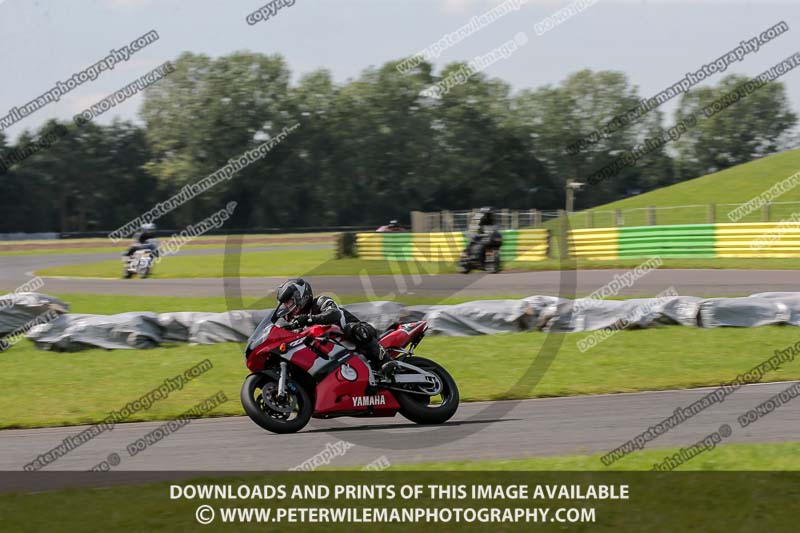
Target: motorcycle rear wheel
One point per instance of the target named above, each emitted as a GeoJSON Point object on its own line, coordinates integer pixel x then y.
{"type": "Point", "coordinates": [269, 418]}
{"type": "Point", "coordinates": [418, 408]}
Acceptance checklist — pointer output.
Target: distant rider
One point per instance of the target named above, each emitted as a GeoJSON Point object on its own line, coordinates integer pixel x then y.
{"type": "Point", "coordinates": [481, 227]}
{"type": "Point", "coordinates": [143, 239]}
{"type": "Point", "coordinates": [392, 227]}
{"type": "Point", "coordinates": [297, 305]}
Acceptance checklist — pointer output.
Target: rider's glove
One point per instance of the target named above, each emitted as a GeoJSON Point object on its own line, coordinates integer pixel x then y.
{"type": "Point", "coordinates": [303, 320]}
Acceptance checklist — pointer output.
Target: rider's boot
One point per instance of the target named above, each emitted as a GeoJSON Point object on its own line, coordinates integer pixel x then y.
{"type": "Point", "coordinates": [377, 357]}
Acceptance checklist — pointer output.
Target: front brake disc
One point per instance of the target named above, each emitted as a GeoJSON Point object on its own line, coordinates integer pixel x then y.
{"type": "Point", "coordinates": [285, 406]}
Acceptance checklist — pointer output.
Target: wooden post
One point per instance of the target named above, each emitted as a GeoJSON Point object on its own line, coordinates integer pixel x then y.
{"type": "Point", "coordinates": [537, 218]}
{"type": "Point", "coordinates": [618, 221]}
{"type": "Point", "coordinates": [765, 212]}
{"type": "Point", "coordinates": [589, 218]}
{"type": "Point", "coordinates": [651, 215]}
{"type": "Point", "coordinates": [712, 213]}
{"type": "Point", "coordinates": [514, 219]}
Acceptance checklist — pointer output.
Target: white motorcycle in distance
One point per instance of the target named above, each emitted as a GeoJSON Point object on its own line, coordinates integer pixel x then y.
{"type": "Point", "coordinates": [141, 261]}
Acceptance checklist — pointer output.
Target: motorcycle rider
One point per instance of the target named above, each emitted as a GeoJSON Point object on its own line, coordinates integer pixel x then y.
{"type": "Point", "coordinates": [140, 241]}
{"type": "Point", "coordinates": [392, 227]}
{"type": "Point", "coordinates": [297, 305]}
{"type": "Point", "coordinates": [481, 227]}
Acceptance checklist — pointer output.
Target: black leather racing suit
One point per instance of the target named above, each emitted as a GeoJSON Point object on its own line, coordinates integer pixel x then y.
{"type": "Point", "coordinates": [481, 228]}
{"type": "Point", "coordinates": [325, 311]}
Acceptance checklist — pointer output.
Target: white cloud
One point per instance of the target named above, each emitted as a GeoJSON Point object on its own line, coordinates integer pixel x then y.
{"type": "Point", "coordinates": [129, 4]}
{"type": "Point", "coordinates": [459, 6]}
{"type": "Point", "coordinates": [463, 7]}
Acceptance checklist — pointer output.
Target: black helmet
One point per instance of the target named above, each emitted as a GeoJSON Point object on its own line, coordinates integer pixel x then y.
{"type": "Point", "coordinates": [487, 215]}
{"type": "Point", "coordinates": [294, 296]}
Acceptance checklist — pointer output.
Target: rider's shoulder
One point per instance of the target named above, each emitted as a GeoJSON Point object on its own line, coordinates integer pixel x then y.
{"type": "Point", "coordinates": [325, 301]}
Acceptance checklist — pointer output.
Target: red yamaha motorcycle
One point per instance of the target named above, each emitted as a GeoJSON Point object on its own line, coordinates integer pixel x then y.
{"type": "Point", "coordinates": [315, 372]}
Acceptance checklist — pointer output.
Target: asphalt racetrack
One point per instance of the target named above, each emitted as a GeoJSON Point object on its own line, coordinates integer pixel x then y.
{"type": "Point", "coordinates": [15, 270]}
{"type": "Point", "coordinates": [479, 431]}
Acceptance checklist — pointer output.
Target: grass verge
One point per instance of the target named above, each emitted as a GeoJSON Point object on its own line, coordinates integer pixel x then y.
{"type": "Point", "coordinates": [94, 382]}
{"type": "Point", "coordinates": [783, 456]}
{"type": "Point", "coordinates": [704, 501]}
{"type": "Point", "coordinates": [102, 245]}
{"type": "Point", "coordinates": [251, 264]}
{"type": "Point", "coordinates": [322, 263]}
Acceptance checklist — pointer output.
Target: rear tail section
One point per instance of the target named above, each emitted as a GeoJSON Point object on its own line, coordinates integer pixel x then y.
{"type": "Point", "coordinates": [402, 335]}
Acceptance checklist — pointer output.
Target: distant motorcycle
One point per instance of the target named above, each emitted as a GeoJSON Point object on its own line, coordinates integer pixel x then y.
{"type": "Point", "coordinates": [392, 227]}
{"type": "Point", "coordinates": [315, 372]}
{"type": "Point", "coordinates": [482, 253]}
{"type": "Point", "coordinates": [140, 263]}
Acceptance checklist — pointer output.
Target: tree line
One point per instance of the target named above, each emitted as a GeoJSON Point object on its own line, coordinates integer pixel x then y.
{"type": "Point", "coordinates": [369, 149]}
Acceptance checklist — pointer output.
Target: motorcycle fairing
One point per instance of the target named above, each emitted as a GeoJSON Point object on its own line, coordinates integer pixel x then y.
{"type": "Point", "coordinates": [343, 390]}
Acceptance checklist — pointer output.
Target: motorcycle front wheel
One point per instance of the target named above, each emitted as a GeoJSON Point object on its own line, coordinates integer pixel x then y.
{"type": "Point", "coordinates": [464, 264]}
{"type": "Point", "coordinates": [279, 415]}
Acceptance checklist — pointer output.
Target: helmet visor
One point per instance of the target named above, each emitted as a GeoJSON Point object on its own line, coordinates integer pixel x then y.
{"type": "Point", "coordinates": [286, 308]}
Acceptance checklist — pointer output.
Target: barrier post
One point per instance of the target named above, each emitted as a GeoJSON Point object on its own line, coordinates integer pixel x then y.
{"type": "Point", "coordinates": [447, 221]}
{"type": "Point", "coordinates": [537, 218]}
{"type": "Point", "coordinates": [651, 215]}
{"type": "Point", "coordinates": [563, 244]}
{"type": "Point", "coordinates": [435, 222]}
{"type": "Point", "coordinates": [618, 221]}
{"type": "Point", "coordinates": [417, 222]}
{"type": "Point", "coordinates": [765, 212]}
{"type": "Point", "coordinates": [712, 213]}
{"type": "Point", "coordinates": [589, 218]}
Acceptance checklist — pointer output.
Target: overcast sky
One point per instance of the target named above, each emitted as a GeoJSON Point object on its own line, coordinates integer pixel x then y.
{"type": "Point", "coordinates": [655, 42]}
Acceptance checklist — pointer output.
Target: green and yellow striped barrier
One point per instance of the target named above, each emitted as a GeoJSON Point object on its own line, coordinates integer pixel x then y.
{"type": "Point", "coordinates": [518, 245]}
{"type": "Point", "coordinates": [768, 239]}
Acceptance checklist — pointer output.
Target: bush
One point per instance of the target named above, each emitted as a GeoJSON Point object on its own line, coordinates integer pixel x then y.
{"type": "Point", "coordinates": [346, 245]}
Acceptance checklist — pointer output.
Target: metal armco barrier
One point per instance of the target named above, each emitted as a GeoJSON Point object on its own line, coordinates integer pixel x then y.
{"type": "Point", "coordinates": [768, 239]}
{"type": "Point", "coordinates": [518, 245]}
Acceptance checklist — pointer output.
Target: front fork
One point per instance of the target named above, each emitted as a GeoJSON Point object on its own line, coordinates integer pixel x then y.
{"type": "Point", "coordinates": [282, 380]}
